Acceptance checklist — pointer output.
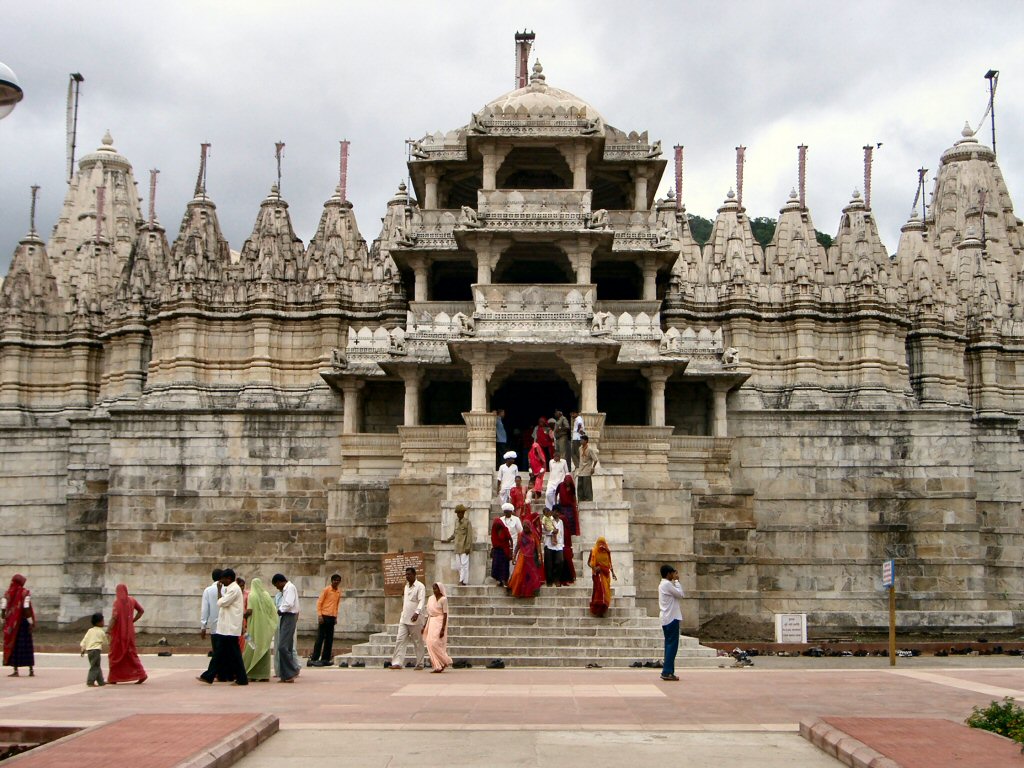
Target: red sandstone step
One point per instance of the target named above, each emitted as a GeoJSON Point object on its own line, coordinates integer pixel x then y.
{"type": "Point", "coordinates": [157, 741]}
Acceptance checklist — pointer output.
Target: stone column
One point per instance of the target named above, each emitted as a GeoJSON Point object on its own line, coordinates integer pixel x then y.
{"type": "Point", "coordinates": [412, 377]}
{"type": "Point", "coordinates": [719, 410]}
{"type": "Point", "coordinates": [640, 189]}
{"type": "Point", "coordinates": [657, 376]}
{"type": "Point", "coordinates": [650, 269]}
{"type": "Point", "coordinates": [430, 175]}
{"type": "Point", "coordinates": [351, 388]}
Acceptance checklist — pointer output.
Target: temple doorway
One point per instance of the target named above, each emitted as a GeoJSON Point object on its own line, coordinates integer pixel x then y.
{"type": "Point", "coordinates": [526, 395]}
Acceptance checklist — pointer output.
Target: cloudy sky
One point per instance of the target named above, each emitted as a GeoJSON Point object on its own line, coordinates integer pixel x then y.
{"type": "Point", "coordinates": [165, 77]}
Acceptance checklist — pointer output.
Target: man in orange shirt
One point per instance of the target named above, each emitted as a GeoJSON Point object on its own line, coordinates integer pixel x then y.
{"type": "Point", "coordinates": [326, 617]}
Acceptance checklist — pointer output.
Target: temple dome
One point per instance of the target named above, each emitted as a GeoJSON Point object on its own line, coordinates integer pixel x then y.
{"type": "Point", "coordinates": [539, 99]}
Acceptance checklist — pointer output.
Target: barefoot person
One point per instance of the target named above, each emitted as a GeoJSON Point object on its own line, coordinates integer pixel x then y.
{"type": "Point", "coordinates": [435, 630]}
{"type": "Point", "coordinates": [123, 659]}
{"type": "Point", "coordinates": [19, 620]}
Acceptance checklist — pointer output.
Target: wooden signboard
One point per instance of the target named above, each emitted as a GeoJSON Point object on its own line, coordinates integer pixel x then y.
{"type": "Point", "coordinates": [394, 565]}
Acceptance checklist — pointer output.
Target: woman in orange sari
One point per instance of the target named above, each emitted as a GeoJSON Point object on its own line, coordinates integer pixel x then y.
{"type": "Point", "coordinates": [601, 565]}
{"type": "Point", "coordinates": [528, 574]}
{"type": "Point", "coordinates": [125, 666]}
{"type": "Point", "coordinates": [435, 629]}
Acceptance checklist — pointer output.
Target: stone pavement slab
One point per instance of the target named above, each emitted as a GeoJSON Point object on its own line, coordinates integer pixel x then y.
{"type": "Point", "coordinates": [912, 742]}
{"type": "Point", "coordinates": [157, 741]}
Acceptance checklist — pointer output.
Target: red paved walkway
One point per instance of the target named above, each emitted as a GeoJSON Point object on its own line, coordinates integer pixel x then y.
{"type": "Point", "coordinates": [918, 742]}
{"type": "Point", "coordinates": [153, 741]}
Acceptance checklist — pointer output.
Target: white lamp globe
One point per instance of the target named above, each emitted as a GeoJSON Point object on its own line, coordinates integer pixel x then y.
{"type": "Point", "coordinates": [10, 91]}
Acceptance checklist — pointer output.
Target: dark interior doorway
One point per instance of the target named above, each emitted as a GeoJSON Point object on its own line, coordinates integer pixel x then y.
{"type": "Point", "coordinates": [526, 396]}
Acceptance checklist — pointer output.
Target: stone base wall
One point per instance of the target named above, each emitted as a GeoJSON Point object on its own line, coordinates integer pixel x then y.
{"type": "Point", "coordinates": [190, 491]}
{"type": "Point", "coordinates": [33, 496]}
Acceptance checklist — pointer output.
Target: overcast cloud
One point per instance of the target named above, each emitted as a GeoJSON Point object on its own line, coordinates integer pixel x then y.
{"type": "Point", "coordinates": [165, 77]}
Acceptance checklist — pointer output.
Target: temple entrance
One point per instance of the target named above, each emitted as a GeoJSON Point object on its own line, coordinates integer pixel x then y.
{"type": "Point", "coordinates": [526, 395]}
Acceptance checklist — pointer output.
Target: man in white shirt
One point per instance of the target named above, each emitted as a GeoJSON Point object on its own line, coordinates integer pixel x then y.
{"type": "Point", "coordinates": [208, 614]}
{"type": "Point", "coordinates": [557, 470]}
{"type": "Point", "coordinates": [414, 598]}
{"type": "Point", "coordinates": [507, 474]}
{"type": "Point", "coordinates": [515, 527]}
{"type": "Point", "coordinates": [227, 661]}
{"type": "Point", "coordinates": [284, 642]}
{"type": "Point", "coordinates": [577, 434]}
{"type": "Point", "coordinates": [669, 594]}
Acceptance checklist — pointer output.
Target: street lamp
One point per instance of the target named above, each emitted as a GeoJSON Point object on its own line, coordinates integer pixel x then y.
{"type": "Point", "coordinates": [10, 91]}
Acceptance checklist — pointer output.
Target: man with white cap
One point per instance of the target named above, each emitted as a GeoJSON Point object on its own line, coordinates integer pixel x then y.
{"type": "Point", "coordinates": [507, 474]}
{"type": "Point", "coordinates": [515, 527]}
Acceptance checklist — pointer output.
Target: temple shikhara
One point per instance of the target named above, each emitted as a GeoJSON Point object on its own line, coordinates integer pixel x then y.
{"type": "Point", "coordinates": [776, 420]}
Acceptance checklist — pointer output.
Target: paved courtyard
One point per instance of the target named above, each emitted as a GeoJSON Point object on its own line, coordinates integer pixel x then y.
{"type": "Point", "coordinates": [512, 717]}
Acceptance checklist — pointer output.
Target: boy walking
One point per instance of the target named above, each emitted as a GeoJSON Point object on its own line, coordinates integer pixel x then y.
{"type": "Point", "coordinates": [92, 646]}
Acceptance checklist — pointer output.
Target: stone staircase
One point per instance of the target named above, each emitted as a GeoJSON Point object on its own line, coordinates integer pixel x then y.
{"type": "Point", "coordinates": [553, 629]}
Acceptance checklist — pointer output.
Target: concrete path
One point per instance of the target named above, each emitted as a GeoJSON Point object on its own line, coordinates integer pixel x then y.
{"type": "Point", "coordinates": [735, 717]}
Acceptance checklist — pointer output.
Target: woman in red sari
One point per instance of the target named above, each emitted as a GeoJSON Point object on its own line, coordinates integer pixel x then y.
{"type": "Point", "coordinates": [19, 620]}
{"type": "Point", "coordinates": [565, 499]}
{"type": "Point", "coordinates": [528, 574]}
{"type": "Point", "coordinates": [601, 564]}
{"type": "Point", "coordinates": [125, 666]}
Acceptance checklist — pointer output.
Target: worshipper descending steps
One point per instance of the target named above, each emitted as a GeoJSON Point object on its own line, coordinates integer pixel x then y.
{"type": "Point", "coordinates": [501, 546]}
{"type": "Point", "coordinates": [19, 620]}
{"type": "Point", "coordinates": [435, 629]}
{"type": "Point", "coordinates": [603, 572]}
{"type": "Point", "coordinates": [123, 659]}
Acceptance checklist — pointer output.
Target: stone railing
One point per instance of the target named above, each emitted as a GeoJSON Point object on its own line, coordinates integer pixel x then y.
{"type": "Point", "coordinates": [562, 299]}
{"type": "Point", "coordinates": [538, 209]}
{"type": "Point", "coordinates": [371, 454]}
{"type": "Point", "coordinates": [428, 450]}
{"type": "Point", "coordinates": [440, 319]}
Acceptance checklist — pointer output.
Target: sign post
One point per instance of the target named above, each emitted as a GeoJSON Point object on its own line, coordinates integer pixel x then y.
{"type": "Point", "coordinates": [889, 580]}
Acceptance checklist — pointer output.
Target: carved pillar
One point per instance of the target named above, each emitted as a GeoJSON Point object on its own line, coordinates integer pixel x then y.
{"type": "Point", "coordinates": [657, 376]}
{"type": "Point", "coordinates": [412, 377]}
{"type": "Point", "coordinates": [484, 259]}
{"type": "Point", "coordinates": [351, 388]}
{"type": "Point", "coordinates": [650, 268]}
{"type": "Point", "coordinates": [719, 409]}
{"type": "Point", "coordinates": [579, 168]}
{"type": "Point", "coordinates": [430, 176]}
{"type": "Point", "coordinates": [640, 189]}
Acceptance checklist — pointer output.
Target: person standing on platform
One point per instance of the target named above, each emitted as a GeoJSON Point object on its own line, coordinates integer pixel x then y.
{"type": "Point", "coordinates": [463, 538]}
{"type": "Point", "coordinates": [287, 616]}
{"type": "Point", "coordinates": [414, 597]}
{"type": "Point", "coordinates": [262, 628]}
{"type": "Point", "coordinates": [123, 659]}
{"type": "Point", "coordinates": [577, 436]}
{"type": "Point", "coordinates": [562, 436]}
{"type": "Point", "coordinates": [501, 547]}
{"type": "Point", "coordinates": [227, 661]}
{"type": "Point", "coordinates": [585, 469]}
{"type": "Point", "coordinates": [19, 621]}
{"type": "Point", "coordinates": [208, 614]}
{"type": "Point", "coordinates": [92, 646]}
{"type": "Point", "coordinates": [326, 619]}
{"type": "Point", "coordinates": [557, 470]}
{"type": "Point", "coordinates": [669, 594]}
{"type": "Point", "coordinates": [500, 436]}
{"type": "Point", "coordinates": [508, 472]}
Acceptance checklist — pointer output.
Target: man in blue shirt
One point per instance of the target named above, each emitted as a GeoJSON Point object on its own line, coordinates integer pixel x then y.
{"type": "Point", "coordinates": [500, 438]}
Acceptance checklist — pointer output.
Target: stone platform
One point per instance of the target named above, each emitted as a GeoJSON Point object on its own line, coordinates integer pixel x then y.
{"type": "Point", "coordinates": [553, 629]}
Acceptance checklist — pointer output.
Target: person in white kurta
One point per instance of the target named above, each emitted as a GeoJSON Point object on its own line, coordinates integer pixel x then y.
{"type": "Point", "coordinates": [557, 470]}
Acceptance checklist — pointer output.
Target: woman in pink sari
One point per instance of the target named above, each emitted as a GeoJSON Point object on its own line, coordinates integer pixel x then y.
{"type": "Point", "coordinates": [435, 629]}
{"type": "Point", "coordinates": [125, 666]}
